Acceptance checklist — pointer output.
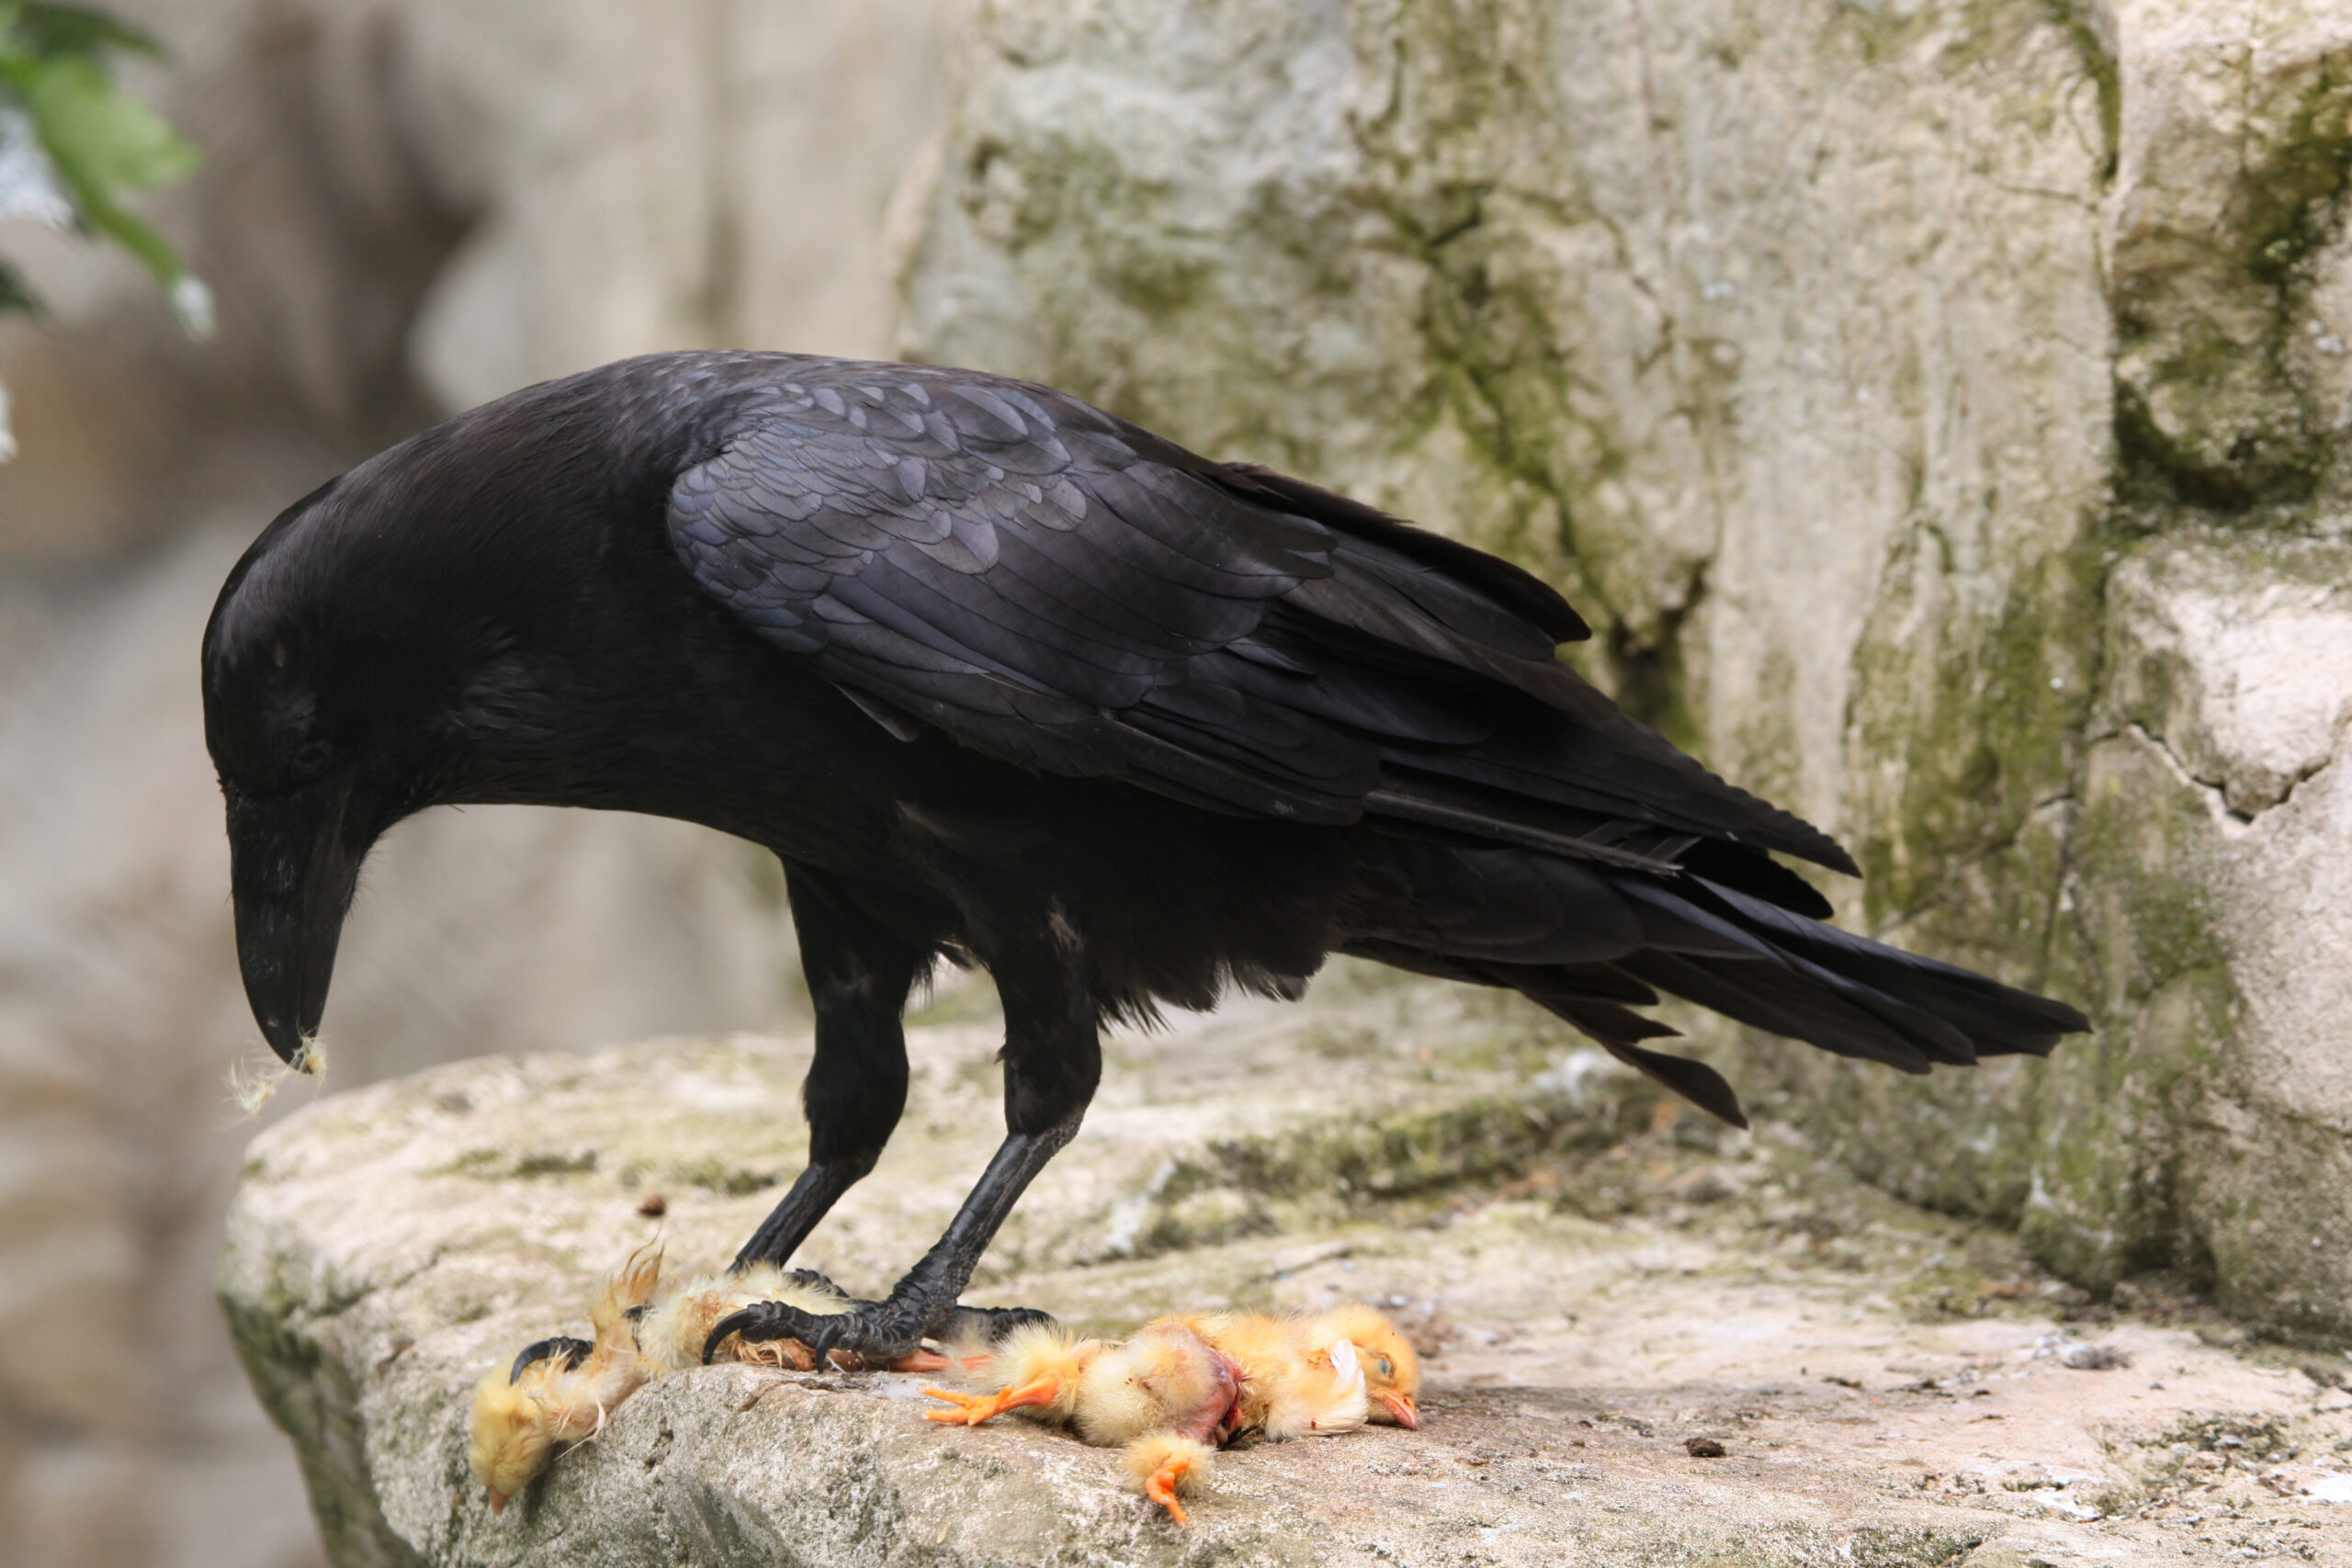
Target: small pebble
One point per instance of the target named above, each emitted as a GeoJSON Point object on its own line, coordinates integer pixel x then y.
{"type": "Point", "coordinates": [655, 1206]}
{"type": "Point", "coordinates": [1702, 1447]}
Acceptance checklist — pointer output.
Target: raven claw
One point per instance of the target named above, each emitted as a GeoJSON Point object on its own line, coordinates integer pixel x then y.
{"type": "Point", "coordinates": [811, 1277]}
{"type": "Point", "coordinates": [991, 1322]}
{"type": "Point", "coordinates": [570, 1351]}
{"type": "Point", "coordinates": [874, 1332]}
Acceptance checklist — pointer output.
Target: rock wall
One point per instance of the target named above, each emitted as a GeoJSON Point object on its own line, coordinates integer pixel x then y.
{"type": "Point", "coordinates": [1935, 406]}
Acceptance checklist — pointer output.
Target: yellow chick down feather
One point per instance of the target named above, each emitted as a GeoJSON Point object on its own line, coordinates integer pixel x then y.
{"type": "Point", "coordinates": [519, 1425]}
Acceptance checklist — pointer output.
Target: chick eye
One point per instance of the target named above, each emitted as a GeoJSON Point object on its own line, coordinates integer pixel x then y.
{"type": "Point", "coordinates": [1382, 1363]}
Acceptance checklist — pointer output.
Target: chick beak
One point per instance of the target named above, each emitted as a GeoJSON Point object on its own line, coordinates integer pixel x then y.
{"type": "Point", "coordinates": [1401, 1411]}
{"type": "Point", "coordinates": [497, 1499]}
{"type": "Point", "coordinates": [291, 874]}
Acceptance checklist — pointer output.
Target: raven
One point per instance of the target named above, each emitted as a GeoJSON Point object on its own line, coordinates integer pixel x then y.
{"type": "Point", "coordinates": [1004, 680]}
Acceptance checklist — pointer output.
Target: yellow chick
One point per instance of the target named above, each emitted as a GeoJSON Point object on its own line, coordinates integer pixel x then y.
{"type": "Point", "coordinates": [1166, 1379]}
{"type": "Point", "coordinates": [1290, 1384]}
{"type": "Point", "coordinates": [560, 1391]}
{"type": "Point", "coordinates": [522, 1416]}
{"type": "Point", "coordinates": [1033, 1371]}
{"type": "Point", "coordinates": [1164, 1395]}
{"type": "Point", "coordinates": [1392, 1370]}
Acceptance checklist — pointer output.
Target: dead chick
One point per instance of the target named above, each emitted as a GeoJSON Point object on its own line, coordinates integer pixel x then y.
{"type": "Point", "coordinates": [1315, 1375]}
{"type": "Point", "coordinates": [1295, 1383]}
{"type": "Point", "coordinates": [560, 1390]}
{"type": "Point", "coordinates": [1165, 1395]}
{"type": "Point", "coordinates": [1392, 1368]}
{"type": "Point", "coordinates": [1034, 1370]}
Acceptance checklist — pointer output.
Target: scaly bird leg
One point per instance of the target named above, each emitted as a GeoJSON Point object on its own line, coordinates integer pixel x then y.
{"type": "Point", "coordinates": [859, 974]}
{"type": "Point", "coordinates": [971, 1409]}
{"type": "Point", "coordinates": [883, 1331]}
{"type": "Point", "coordinates": [1053, 1060]}
{"type": "Point", "coordinates": [812, 1196]}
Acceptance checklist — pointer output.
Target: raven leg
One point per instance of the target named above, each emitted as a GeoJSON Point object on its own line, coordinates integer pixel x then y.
{"type": "Point", "coordinates": [1053, 1059]}
{"type": "Point", "coordinates": [859, 975]}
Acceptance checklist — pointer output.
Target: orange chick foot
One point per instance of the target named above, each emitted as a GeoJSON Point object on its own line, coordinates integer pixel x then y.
{"type": "Point", "coordinates": [918, 1361]}
{"type": "Point", "coordinates": [1161, 1485]}
{"type": "Point", "coordinates": [1164, 1464]}
{"type": "Point", "coordinates": [971, 1409]}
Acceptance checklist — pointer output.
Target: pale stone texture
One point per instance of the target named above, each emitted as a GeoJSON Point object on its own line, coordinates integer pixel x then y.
{"type": "Point", "coordinates": [1900, 390]}
{"type": "Point", "coordinates": [1598, 1281]}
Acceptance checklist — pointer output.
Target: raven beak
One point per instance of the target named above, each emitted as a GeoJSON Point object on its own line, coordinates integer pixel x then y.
{"type": "Point", "coordinates": [291, 875]}
{"type": "Point", "coordinates": [1401, 1411]}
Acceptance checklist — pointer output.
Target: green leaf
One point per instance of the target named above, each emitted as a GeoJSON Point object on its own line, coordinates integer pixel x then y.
{"type": "Point", "coordinates": [98, 138]}
{"type": "Point", "coordinates": [98, 144]}
{"type": "Point", "coordinates": [51, 31]}
{"type": "Point", "coordinates": [101, 143]}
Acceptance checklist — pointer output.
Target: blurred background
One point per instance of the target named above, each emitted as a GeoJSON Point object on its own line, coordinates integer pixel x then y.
{"type": "Point", "coordinates": [403, 210]}
{"type": "Point", "coordinates": [1935, 407]}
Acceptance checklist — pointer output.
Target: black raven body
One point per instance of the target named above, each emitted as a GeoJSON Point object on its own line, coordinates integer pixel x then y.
{"type": "Point", "coordinates": [1003, 679]}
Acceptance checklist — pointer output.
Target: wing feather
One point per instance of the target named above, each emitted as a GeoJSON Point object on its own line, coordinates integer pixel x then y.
{"type": "Point", "coordinates": [981, 555]}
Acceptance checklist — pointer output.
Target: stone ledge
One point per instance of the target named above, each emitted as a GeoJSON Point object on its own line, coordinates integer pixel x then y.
{"type": "Point", "coordinates": [1598, 1294]}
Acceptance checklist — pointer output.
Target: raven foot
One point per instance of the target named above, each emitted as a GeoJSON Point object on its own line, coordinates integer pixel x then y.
{"type": "Point", "coordinates": [986, 1326]}
{"type": "Point", "coordinates": [566, 1351]}
{"type": "Point", "coordinates": [812, 1279]}
{"type": "Point", "coordinates": [871, 1334]}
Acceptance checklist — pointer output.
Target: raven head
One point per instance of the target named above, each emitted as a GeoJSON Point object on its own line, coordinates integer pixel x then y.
{"type": "Point", "coordinates": [322, 670]}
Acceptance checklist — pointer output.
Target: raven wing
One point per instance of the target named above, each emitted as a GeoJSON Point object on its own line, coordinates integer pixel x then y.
{"type": "Point", "coordinates": [1064, 591]}
{"type": "Point", "coordinates": [998, 561]}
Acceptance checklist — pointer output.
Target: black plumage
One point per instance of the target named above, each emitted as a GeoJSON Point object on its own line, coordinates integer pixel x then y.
{"type": "Point", "coordinates": [1004, 679]}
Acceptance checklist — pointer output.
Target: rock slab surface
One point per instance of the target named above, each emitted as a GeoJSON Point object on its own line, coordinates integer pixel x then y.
{"type": "Point", "coordinates": [1601, 1282]}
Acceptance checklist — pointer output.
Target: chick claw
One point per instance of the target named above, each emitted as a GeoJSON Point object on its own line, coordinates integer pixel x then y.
{"type": "Point", "coordinates": [1161, 1485]}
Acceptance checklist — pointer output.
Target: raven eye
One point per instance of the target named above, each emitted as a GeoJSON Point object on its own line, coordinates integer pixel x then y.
{"type": "Point", "coordinates": [309, 759]}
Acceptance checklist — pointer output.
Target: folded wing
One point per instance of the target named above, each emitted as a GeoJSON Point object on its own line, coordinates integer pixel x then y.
{"type": "Point", "coordinates": [1066, 591]}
